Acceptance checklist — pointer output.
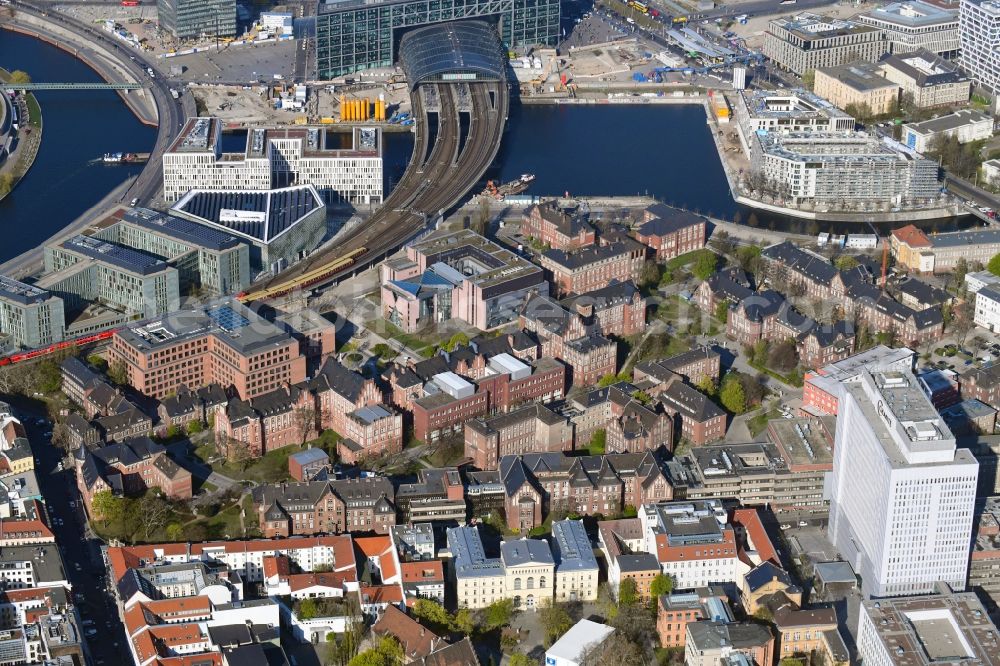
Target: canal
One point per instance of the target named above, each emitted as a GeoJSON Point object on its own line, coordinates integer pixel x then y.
{"type": "Point", "coordinates": [664, 151]}
{"type": "Point", "coordinates": [67, 177]}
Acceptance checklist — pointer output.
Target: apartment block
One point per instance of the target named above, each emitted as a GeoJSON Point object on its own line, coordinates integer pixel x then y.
{"type": "Point", "coordinates": [909, 26]}
{"type": "Point", "coordinates": [623, 544]}
{"type": "Point", "coordinates": [902, 495]}
{"type": "Point", "coordinates": [979, 37]}
{"type": "Point", "coordinates": [30, 317]}
{"type": "Point", "coordinates": [941, 252]}
{"type": "Point", "coordinates": [674, 612]}
{"type": "Point", "coordinates": [846, 166]}
{"type": "Point", "coordinates": [273, 157]}
{"type": "Point", "coordinates": [224, 343]}
{"type": "Point", "coordinates": [807, 41]}
{"type": "Point", "coordinates": [457, 275]}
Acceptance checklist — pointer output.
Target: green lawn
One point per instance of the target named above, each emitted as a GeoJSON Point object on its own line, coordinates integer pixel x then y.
{"type": "Point", "coordinates": [34, 111]}
{"type": "Point", "coordinates": [270, 468]}
{"type": "Point", "coordinates": [686, 259]}
{"type": "Point", "coordinates": [758, 423]}
{"type": "Point", "coordinates": [223, 525]}
{"type": "Point", "coordinates": [425, 345]}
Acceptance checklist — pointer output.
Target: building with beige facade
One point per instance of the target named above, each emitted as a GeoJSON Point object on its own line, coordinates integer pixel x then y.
{"type": "Point", "coordinates": [858, 84]}
{"type": "Point", "coordinates": [576, 567]}
{"type": "Point", "coordinates": [524, 572]}
{"type": "Point", "coordinates": [926, 78]}
{"type": "Point", "coordinates": [807, 41]}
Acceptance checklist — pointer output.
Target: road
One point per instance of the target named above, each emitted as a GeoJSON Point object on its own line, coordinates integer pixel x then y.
{"type": "Point", "coordinates": [81, 551]}
{"type": "Point", "coordinates": [147, 184]}
{"type": "Point", "coordinates": [430, 186]}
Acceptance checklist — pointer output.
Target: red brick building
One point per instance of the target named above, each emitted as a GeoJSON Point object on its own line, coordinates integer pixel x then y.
{"type": "Point", "coordinates": [674, 611]}
{"type": "Point", "coordinates": [693, 366]}
{"type": "Point", "coordinates": [546, 223]}
{"type": "Point", "coordinates": [538, 483]}
{"type": "Point", "coordinates": [702, 421]}
{"type": "Point", "coordinates": [129, 469]}
{"type": "Point", "coordinates": [670, 232]}
{"type": "Point", "coordinates": [345, 505]}
{"type": "Point", "coordinates": [528, 429]}
{"type": "Point", "coordinates": [487, 377]}
{"type": "Point", "coordinates": [593, 267]}
{"type": "Point", "coordinates": [728, 286]}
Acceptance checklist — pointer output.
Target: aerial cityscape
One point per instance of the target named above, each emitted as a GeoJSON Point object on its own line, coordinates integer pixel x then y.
{"type": "Point", "coordinates": [499, 332]}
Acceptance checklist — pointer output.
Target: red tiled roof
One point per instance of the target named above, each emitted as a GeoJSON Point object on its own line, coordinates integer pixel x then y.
{"type": "Point", "coordinates": [334, 580]}
{"type": "Point", "coordinates": [382, 594]}
{"type": "Point", "coordinates": [277, 565]}
{"type": "Point", "coordinates": [418, 572]}
{"type": "Point", "coordinates": [380, 547]}
{"type": "Point", "coordinates": [417, 640]}
{"type": "Point", "coordinates": [757, 534]}
{"type": "Point", "coordinates": [911, 236]}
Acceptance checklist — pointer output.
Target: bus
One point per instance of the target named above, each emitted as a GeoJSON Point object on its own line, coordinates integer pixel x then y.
{"type": "Point", "coordinates": [639, 6]}
{"type": "Point", "coordinates": [680, 19]}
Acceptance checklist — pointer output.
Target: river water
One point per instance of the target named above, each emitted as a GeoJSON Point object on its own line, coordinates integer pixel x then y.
{"type": "Point", "coordinates": [665, 151]}
{"type": "Point", "coordinates": [78, 128]}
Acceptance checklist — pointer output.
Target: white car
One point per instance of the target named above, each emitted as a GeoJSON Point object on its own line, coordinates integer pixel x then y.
{"type": "Point", "coordinates": [803, 523]}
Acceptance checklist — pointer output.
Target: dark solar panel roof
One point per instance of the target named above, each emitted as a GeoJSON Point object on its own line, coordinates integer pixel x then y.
{"type": "Point", "coordinates": [281, 209]}
{"type": "Point", "coordinates": [455, 51]}
{"type": "Point", "coordinates": [181, 229]}
{"type": "Point", "coordinates": [116, 255]}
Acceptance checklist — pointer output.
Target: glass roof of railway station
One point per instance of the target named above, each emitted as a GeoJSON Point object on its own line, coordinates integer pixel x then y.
{"type": "Point", "coordinates": [455, 51]}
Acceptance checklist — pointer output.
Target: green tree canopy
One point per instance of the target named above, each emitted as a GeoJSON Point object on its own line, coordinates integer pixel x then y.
{"type": "Point", "coordinates": [994, 265]}
{"type": "Point", "coordinates": [705, 265]}
{"type": "Point", "coordinates": [627, 593]}
{"type": "Point", "coordinates": [731, 395]}
{"type": "Point", "coordinates": [498, 614]}
{"type": "Point", "coordinates": [845, 262]}
{"type": "Point", "coordinates": [662, 584]}
{"type": "Point", "coordinates": [555, 621]}
{"type": "Point", "coordinates": [433, 614]}
{"type": "Point", "coordinates": [387, 652]}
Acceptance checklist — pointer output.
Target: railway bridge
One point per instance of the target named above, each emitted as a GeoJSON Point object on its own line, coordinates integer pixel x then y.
{"type": "Point", "coordinates": [453, 69]}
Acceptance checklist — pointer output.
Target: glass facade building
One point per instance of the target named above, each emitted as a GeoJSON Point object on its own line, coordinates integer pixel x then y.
{"type": "Point", "coordinates": [187, 19]}
{"type": "Point", "coordinates": [353, 35]}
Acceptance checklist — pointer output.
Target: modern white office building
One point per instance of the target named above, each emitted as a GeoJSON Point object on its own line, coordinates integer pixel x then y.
{"type": "Point", "coordinates": [787, 111]}
{"type": "Point", "coordinates": [987, 313]}
{"type": "Point", "coordinates": [807, 41]}
{"type": "Point", "coordinates": [913, 25]}
{"type": "Point", "coordinates": [979, 35]}
{"type": "Point", "coordinates": [965, 125]}
{"type": "Point", "coordinates": [275, 157]}
{"type": "Point", "coordinates": [901, 494]}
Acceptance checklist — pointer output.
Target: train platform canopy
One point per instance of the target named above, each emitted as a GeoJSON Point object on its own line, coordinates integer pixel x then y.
{"type": "Point", "coordinates": [255, 215]}
{"type": "Point", "coordinates": [452, 52]}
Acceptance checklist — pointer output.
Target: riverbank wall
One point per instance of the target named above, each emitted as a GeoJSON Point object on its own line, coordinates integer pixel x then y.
{"type": "Point", "coordinates": [95, 56]}
{"type": "Point", "coordinates": [28, 137]}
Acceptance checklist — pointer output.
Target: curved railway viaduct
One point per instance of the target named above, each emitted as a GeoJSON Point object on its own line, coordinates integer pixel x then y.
{"type": "Point", "coordinates": [453, 69]}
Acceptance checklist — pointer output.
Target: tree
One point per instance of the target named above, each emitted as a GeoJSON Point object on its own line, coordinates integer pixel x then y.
{"type": "Point", "coordinates": [722, 311]}
{"type": "Point", "coordinates": [662, 584]}
{"type": "Point", "coordinates": [497, 614]}
{"type": "Point", "coordinates": [958, 276]}
{"type": "Point", "coordinates": [627, 594]}
{"type": "Point", "coordinates": [60, 436]}
{"type": "Point", "coordinates": [194, 427]}
{"type": "Point", "coordinates": [615, 651]}
{"type": "Point", "coordinates": [707, 386]}
{"type": "Point", "coordinates": [994, 265]}
{"type": "Point", "coordinates": [464, 622]}
{"type": "Point", "coordinates": [705, 265]}
{"type": "Point", "coordinates": [555, 621]}
{"type": "Point", "coordinates": [117, 372]}
{"type": "Point", "coordinates": [107, 507]}
{"type": "Point", "coordinates": [783, 356]}
{"type": "Point", "coordinates": [764, 614]}
{"type": "Point", "coordinates": [962, 321]}
{"type": "Point", "coordinates": [609, 379]}
{"type": "Point", "coordinates": [481, 221]}
{"type": "Point", "coordinates": [518, 659]}
{"type": "Point", "coordinates": [238, 453]}
{"type": "Point", "coordinates": [175, 532]}
{"type": "Point", "coordinates": [458, 340]}
{"type": "Point", "coordinates": [308, 609]}
{"type": "Point", "coordinates": [433, 615]}
{"type": "Point", "coordinates": [387, 652]}
{"type": "Point", "coordinates": [862, 112]}
{"type": "Point", "coordinates": [845, 262]}
{"type": "Point", "coordinates": [791, 661]}
{"type": "Point", "coordinates": [809, 78]}
{"type": "Point", "coordinates": [19, 76]}
{"type": "Point", "coordinates": [598, 442]}
{"type": "Point", "coordinates": [650, 275]}
{"type": "Point", "coordinates": [97, 362]}
{"type": "Point", "coordinates": [732, 396]}
{"type": "Point", "coordinates": [304, 418]}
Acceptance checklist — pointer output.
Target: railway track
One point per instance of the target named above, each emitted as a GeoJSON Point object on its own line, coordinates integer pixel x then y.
{"type": "Point", "coordinates": [429, 187]}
